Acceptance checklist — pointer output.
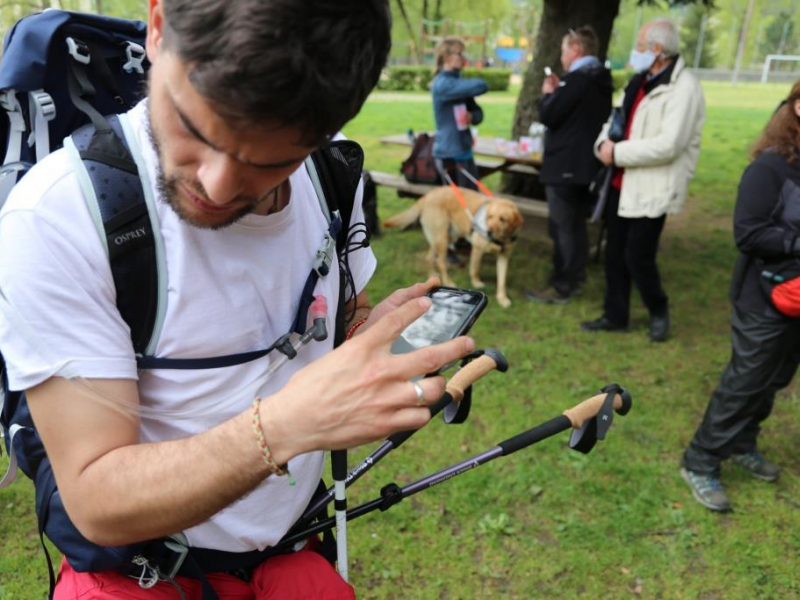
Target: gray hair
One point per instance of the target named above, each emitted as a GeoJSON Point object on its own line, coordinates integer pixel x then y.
{"type": "Point", "coordinates": [664, 32]}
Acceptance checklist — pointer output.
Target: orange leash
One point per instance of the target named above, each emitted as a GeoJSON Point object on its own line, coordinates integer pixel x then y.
{"type": "Point", "coordinates": [476, 181]}
{"type": "Point", "coordinates": [483, 188]}
{"type": "Point", "coordinates": [459, 194]}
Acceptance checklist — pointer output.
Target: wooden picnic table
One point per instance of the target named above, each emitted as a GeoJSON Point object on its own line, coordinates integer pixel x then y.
{"type": "Point", "coordinates": [526, 164]}
{"type": "Point", "coordinates": [488, 160]}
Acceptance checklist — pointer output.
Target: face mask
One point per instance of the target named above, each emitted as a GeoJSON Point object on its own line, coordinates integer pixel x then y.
{"type": "Point", "coordinates": [642, 61]}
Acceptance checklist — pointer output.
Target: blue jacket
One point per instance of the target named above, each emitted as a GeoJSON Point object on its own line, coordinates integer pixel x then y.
{"type": "Point", "coordinates": [449, 91]}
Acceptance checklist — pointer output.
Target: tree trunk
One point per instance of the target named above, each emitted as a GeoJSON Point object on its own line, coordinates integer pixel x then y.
{"type": "Point", "coordinates": [407, 21]}
{"type": "Point", "coordinates": [558, 17]}
{"type": "Point", "coordinates": [437, 16]}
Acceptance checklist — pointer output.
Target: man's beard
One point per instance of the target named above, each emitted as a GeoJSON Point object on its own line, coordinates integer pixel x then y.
{"type": "Point", "coordinates": [168, 191]}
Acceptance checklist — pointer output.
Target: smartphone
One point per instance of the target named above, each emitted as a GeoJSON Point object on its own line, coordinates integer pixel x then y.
{"type": "Point", "coordinates": [452, 314]}
{"type": "Point", "coordinates": [548, 71]}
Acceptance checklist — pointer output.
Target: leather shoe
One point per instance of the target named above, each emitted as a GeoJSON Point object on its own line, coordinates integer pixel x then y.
{"type": "Point", "coordinates": [659, 327]}
{"type": "Point", "coordinates": [602, 324]}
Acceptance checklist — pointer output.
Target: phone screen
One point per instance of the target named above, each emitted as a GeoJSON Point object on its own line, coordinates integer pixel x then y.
{"type": "Point", "coordinates": [548, 71]}
{"type": "Point", "coordinates": [452, 314]}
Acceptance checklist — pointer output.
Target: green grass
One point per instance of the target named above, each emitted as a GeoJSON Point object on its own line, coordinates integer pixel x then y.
{"type": "Point", "coordinates": [548, 522]}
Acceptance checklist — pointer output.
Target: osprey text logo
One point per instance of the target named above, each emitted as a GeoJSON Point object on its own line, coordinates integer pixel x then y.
{"type": "Point", "coordinates": [123, 238]}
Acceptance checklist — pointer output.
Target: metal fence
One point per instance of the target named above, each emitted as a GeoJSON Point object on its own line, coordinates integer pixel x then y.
{"type": "Point", "coordinates": [749, 75]}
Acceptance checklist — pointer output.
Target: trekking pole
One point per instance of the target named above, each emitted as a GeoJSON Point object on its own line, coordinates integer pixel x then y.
{"type": "Point", "coordinates": [476, 181]}
{"type": "Point", "coordinates": [474, 366]}
{"type": "Point", "coordinates": [455, 391]}
{"type": "Point", "coordinates": [590, 421]}
{"type": "Point", "coordinates": [459, 194]}
{"type": "Point", "coordinates": [339, 472]}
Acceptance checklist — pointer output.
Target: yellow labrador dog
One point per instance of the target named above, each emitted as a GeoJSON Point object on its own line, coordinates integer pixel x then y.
{"type": "Point", "coordinates": [492, 227]}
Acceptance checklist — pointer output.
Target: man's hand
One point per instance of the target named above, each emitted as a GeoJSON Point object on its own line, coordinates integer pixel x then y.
{"type": "Point", "coordinates": [607, 153]}
{"type": "Point", "coordinates": [396, 300]}
{"type": "Point", "coordinates": [360, 392]}
{"type": "Point", "coordinates": [550, 84]}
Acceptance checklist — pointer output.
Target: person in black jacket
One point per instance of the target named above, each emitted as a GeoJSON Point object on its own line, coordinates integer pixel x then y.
{"type": "Point", "coordinates": [574, 110]}
{"type": "Point", "coordinates": [766, 343]}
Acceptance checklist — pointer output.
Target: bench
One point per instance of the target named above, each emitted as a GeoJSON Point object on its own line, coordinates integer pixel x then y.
{"type": "Point", "coordinates": [527, 206]}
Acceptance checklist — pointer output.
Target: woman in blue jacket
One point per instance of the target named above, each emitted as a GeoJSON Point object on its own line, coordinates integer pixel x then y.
{"type": "Point", "coordinates": [455, 110]}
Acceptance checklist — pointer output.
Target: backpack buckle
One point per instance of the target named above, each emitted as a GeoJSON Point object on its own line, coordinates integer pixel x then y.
{"type": "Point", "coordinates": [9, 103]}
{"type": "Point", "coordinates": [175, 561]}
{"type": "Point", "coordinates": [136, 55]}
{"type": "Point", "coordinates": [44, 105]}
{"type": "Point", "coordinates": [324, 257]}
{"type": "Point", "coordinates": [79, 51]}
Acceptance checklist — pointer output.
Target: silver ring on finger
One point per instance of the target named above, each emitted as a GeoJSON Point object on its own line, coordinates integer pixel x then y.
{"type": "Point", "coordinates": [419, 392]}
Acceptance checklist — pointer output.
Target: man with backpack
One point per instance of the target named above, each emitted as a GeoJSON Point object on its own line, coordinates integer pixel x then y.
{"type": "Point", "coordinates": [180, 459]}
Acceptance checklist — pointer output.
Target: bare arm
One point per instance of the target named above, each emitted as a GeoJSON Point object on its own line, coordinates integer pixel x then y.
{"type": "Point", "coordinates": [118, 491]}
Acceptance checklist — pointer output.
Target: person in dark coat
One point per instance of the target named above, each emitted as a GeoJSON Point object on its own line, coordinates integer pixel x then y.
{"type": "Point", "coordinates": [574, 109]}
{"type": "Point", "coordinates": [765, 342]}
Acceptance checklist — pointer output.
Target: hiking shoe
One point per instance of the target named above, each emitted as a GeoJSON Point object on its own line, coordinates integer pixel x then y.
{"type": "Point", "coordinates": [549, 295]}
{"type": "Point", "coordinates": [602, 324]}
{"type": "Point", "coordinates": [759, 467]}
{"type": "Point", "coordinates": [707, 490]}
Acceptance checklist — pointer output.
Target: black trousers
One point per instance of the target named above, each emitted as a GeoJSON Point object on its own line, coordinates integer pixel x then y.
{"type": "Point", "coordinates": [455, 170]}
{"type": "Point", "coordinates": [631, 248]}
{"type": "Point", "coordinates": [569, 207]}
{"type": "Point", "coordinates": [766, 353]}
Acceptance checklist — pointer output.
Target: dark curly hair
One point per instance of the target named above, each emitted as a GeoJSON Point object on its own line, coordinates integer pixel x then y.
{"type": "Point", "coordinates": [305, 63]}
{"type": "Point", "coordinates": [782, 133]}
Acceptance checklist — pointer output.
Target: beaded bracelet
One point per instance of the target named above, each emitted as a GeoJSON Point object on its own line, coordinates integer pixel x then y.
{"type": "Point", "coordinates": [351, 332]}
{"type": "Point", "coordinates": [266, 453]}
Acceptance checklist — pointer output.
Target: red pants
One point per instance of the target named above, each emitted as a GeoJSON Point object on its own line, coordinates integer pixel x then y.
{"type": "Point", "coordinates": [303, 575]}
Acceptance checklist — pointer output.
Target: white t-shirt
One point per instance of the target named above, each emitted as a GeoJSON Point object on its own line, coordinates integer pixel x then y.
{"type": "Point", "coordinates": [229, 291]}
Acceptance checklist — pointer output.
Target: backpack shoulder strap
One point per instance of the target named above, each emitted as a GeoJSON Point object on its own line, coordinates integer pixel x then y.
{"type": "Point", "coordinates": [335, 171]}
{"type": "Point", "coordinates": [113, 178]}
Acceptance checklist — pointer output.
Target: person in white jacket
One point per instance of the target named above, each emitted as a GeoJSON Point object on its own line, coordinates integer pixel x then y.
{"type": "Point", "coordinates": [664, 111]}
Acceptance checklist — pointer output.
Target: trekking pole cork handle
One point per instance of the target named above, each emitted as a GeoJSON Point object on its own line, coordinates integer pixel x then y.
{"type": "Point", "coordinates": [588, 409]}
{"type": "Point", "coordinates": [470, 373]}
